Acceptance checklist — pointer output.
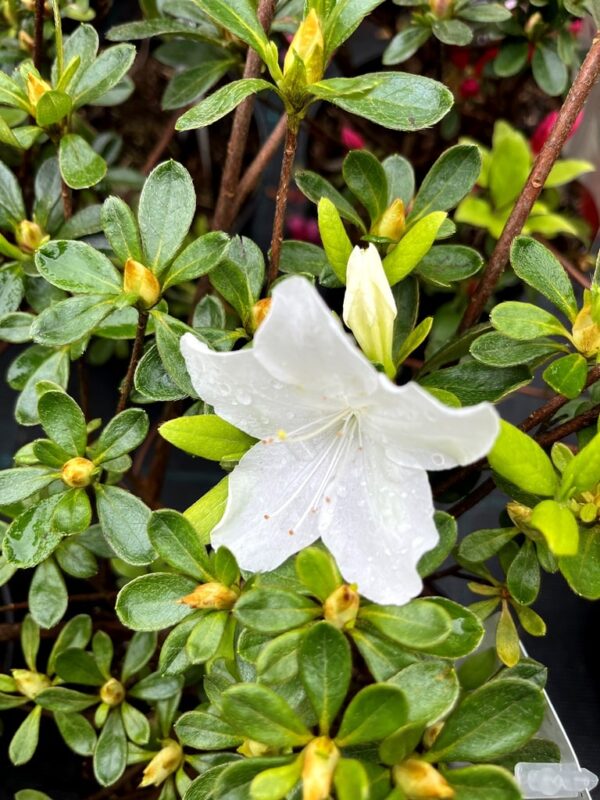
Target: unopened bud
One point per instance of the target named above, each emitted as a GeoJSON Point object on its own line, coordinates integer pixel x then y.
{"type": "Point", "coordinates": [440, 8]}
{"type": "Point", "coordinates": [260, 311]}
{"type": "Point", "coordinates": [519, 514]}
{"type": "Point", "coordinates": [309, 47]}
{"type": "Point", "coordinates": [112, 692]}
{"type": "Point", "coordinates": [341, 607]}
{"type": "Point", "coordinates": [164, 763]}
{"type": "Point", "coordinates": [140, 281]}
{"type": "Point", "coordinates": [36, 87]}
{"type": "Point", "coordinates": [419, 780]}
{"type": "Point", "coordinates": [26, 41]}
{"type": "Point", "coordinates": [252, 749]}
{"type": "Point", "coordinates": [586, 333]}
{"type": "Point", "coordinates": [532, 23]}
{"type": "Point", "coordinates": [212, 595]}
{"type": "Point", "coordinates": [30, 683]}
{"type": "Point", "coordinates": [78, 472]}
{"type": "Point", "coordinates": [431, 734]}
{"type": "Point", "coordinates": [390, 224]}
{"type": "Point", "coordinates": [30, 236]}
{"type": "Point", "coordinates": [321, 757]}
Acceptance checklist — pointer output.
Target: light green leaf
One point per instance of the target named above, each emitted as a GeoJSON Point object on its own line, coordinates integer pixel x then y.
{"type": "Point", "coordinates": [207, 436]}
{"type": "Point", "coordinates": [523, 321]}
{"type": "Point", "coordinates": [220, 103]}
{"type": "Point", "coordinates": [539, 268]}
{"type": "Point", "coordinates": [412, 247]}
{"type": "Point", "coordinates": [80, 166]}
{"type": "Point", "coordinates": [150, 602]}
{"type": "Point", "coordinates": [520, 460]}
{"type": "Point", "coordinates": [336, 242]}
{"type": "Point", "coordinates": [557, 523]}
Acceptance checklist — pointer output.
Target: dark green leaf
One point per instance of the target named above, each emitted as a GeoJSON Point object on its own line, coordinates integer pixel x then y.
{"type": "Point", "coordinates": [150, 602]}
{"type": "Point", "coordinates": [80, 166]}
{"type": "Point", "coordinates": [124, 520]}
{"type": "Point", "coordinates": [325, 670]}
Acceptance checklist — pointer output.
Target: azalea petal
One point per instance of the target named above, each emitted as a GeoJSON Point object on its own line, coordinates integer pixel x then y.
{"type": "Point", "coordinates": [242, 391]}
{"type": "Point", "coordinates": [378, 523]}
{"type": "Point", "coordinates": [302, 343]}
{"type": "Point", "coordinates": [417, 430]}
{"type": "Point", "coordinates": [273, 501]}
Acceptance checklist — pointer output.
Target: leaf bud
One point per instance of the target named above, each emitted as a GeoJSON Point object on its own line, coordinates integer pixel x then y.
{"type": "Point", "coordinates": [390, 224]}
{"type": "Point", "coordinates": [141, 282]}
{"type": "Point", "coordinates": [321, 757]}
{"type": "Point", "coordinates": [419, 780]}
{"type": "Point", "coordinates": [78, 472]}
{"type": "Point", "coordinates": [211, 595]}
{"type": "Point", "coordinates": [36, 87]}
{"type": "Point", "coordinates": [30, 683]}
{"type": "Point", "coordinates": [30, 236]}
{"type": "Point", "coordinates": [341, 607]}
{"type": "Point", "coordinates": [164, 763]}
{"type": "Point", "coordinates": [308, 46]}
{"type": "Point", "coordinates": [112, 692]}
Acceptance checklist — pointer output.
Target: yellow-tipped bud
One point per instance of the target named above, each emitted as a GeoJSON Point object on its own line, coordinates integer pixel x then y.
{"type": "Point", "coordinates": [307, 45]}
{"type": "Point", "coordinates": [533, 22]}
{"type": "Point", "coordinates": [519, 514]}
{"type": "Point", "coordinates": [112, 692]}
{"type": "Point", "coordinates": [321, 757]}
{"type": "Point", "coordinates": [586, 333]}
{"type": "Point", "coordinates": [390, 224]}
{"type": "Point", "coordinates": [440, 8]}
{"type": "Point", "coordinates": [252, 749]}
{"type": "Point", "coordinates": [30, 683]}
{"type": "Point", "coordinates": [421, 781]}
{"type": "Point", "coordinates": [210, 595]}
{"type": "Point", "coordinates": [78, 472]}
{"type": "Point", "coordinates": [341, 607]}
{"type": "Point", "coordinates": [369, 306]}
{"type": "Point", "coordinates": [26, 41]}
{"type": "Point", "coordinates": [260, 311]}
{"type": "Point", "coordinates": [431, 734]}
{"type": "Point", "coordinates": [164, 763]}
{"type": "Point", "coordinates": [139, 280]}
{"type": "Point", "coordinates": [36, 87]}
{"type": "Point", "coordinates": [30, 236]}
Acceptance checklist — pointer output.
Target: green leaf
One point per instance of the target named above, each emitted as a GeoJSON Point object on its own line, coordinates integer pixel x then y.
{"type": "Point", "coordinates": [80, 166]}
{"type": "Point", "coordinates": [205, 731]}
{"type": "Point", "coordinates": [207, 512]}
{"type": "Point", "coordinates": [481, 545]}
{"type": "Point", "coordinates": [447, 263]}
{"type": "Point", "coordinates": [169, 331]}
{"type": "Point", "coordinates": [449, 180]}
{"type": "Point", "coordinates": [239, 17]}
{"type": "Point", "coordinates": [166, 210]}
{"type": "Point", "coordinates": [75, 559]}
{"type": "Point", "coordinates": [124, 520]}
{"type": "Point", "coordinates": [509, 166]}
{"type": "Point", "coordinates": [155, 687]}
{"type": "Point", "coordinates": [274, 610]}
{"type": "Point", "coordinates": [401, 744]}
{"type": "Point", "coordinates": [276, 660]}
{"type": "Point", "coordinates": [417, 624]}
{"type": "Point", "coordinates": [524, 321]}
{"type": "Point", "coordinates": [122, 435]}
{"type": "Point", "coordinates": [29, 539]}
{"type": "Point", "coordinates": [275, 783]}
{"type": "Point", "coordinates": [473, 382]}
{"type": "Point", "coordinates": [395, 100]}
{"type": "Point", "coordinates": [372, 714]}
{"type": "Point", "coordinates": [549, 72]}
{"type": "Point", "coordinates": [63, 421]}
{"type": "Point", "coordinates": [540, 269]}
{"type": "Point", "coordinates": [25, 740]}
{"type": "Point", "coordinates": [583, 471]}
{"type": "Point", "coordinates": [412, 247]}
{"type": "Point", "coordinates": [110, 755]}
{"type": "Point", "coordinates": [135, 723]}
{"type": "Point", "coordinates": [71, 320]}
{"type": "Point", "coordinates": [447, 530]}
{"type": "Point", "coordinates": [366, 179]}
{"type": "Point", "coordinates": [523, 576]}
{"type": "Point", "coordinates": [121, 229]}
{"type": "Point", "coordinates": [177, 543]}
{"type": "Point", "coordinates": [76, 267]}
{"type": "Point", "coordinates": [48, 598]}
{"type": "Point", "coordinates": [452, 31]}
{"type": "Point", "coordinates": [52, 107]}
{"type": "Point", "coordinates": [259, 713]}
{"type": "Point", "coordinates": [497, 350]}
{"type": "Point", "coordinates": [557, 523]}
{"type": "Point", "coordinates": [39, 364]}
{"type": "Point", "coordinates": [567, 375]}
{"type": "Point", "coordinates": [518, 458]}
{"type": "Point", "coordinates": [149, 603]}
{"type": "Point", "coordinates": [205, 637]}
{"type": "Point", "coordinates": [317, 570]}
{"type": "Point", "coordinates": [197, 259]}
{"type": "Point", "coordinates": [103, 73]}
{"type": "Point", "coordinates": [12, 208]}
{"type": "Point", "coordinates": [20, 483]}
{"type": "Point", "coordinates": [313, 186]}
{"type": "Point", "coordinates": [140, 650]}
{"type": "Point", "coordinates": [582, 570]}
{"type": "Point", "coordinates": [240, 275]}
{"type": "Point", "coordinates": [490, 722]}
{"type": "Point", "coordinates": [68, 701]}
{"type": "Point", "coordinates": [567, 170]}
{"type": "Point", "coordinates": [465, 636]}
{"type": "Point", "coordinates": [74, 665]}
{"type": "Point", "coordinates": [405, 44]}
{"type": "Point", "coordinates": [493, 783]}
{"type": "Point", "coordinates": [511, 59]}
{"type": "Point", "coordinates": [153, 381]}
{"type": "Point", "coordinates": [207, 436]}
{"type": "Point", "coordinates": [221, 102]}
{"type": "Point", "coordinates": [431, 689]}
{"type": "Point", "coordinates": [336, 242]}
{"type": "Point", "coordinates": [73, 512]}
{"type": "Point", "coordinates": [77, 732]}
{"type": "Point", "coordinates": [75, 633]}
{"type": "Point", "coordinates": [325, 670]}
{"type": "Point", "coordinates": [30, 641]}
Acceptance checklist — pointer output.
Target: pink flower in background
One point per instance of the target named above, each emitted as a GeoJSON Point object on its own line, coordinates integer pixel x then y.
{"type": "Point", "coordinates": [470, 87]}
{"type": "Point", "coordinates": [576, 26]}
{"type": "Point", "coordinates": [351, 139]}
{"type": "Point", "coordinates": [542, 132]}
{"type": "Point", "coordinates": [303, 229]}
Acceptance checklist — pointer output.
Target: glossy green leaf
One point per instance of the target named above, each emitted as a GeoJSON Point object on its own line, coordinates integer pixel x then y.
{"type": "Point", "coordinates": [197, 259]}
{"type": "Point", "coordinates": [539, 268]}
{"type": "Point", "coordinates": [124, 520]}
{"type": "Point", "coordinates": [274, 610]}
{"type": "Point", "coordinates": [325, 671]}
{"type": "Point", "coordinates": [48, 598]}
{"type": "Point", "coordinates": [519, 459]}
{"type": "Point", "coordinates": [259, 713]}
{"type": "Point", "coordinates": [121, 229]}
{"type": "Point", "coordinates": [220, 103]}
{"type": "Point", "coordinates": [418, 624]}
{"type": "Point", "coordinates": [207, 436]}
{"type": "Point", "coordinates": [80, 166]}
{"type": "Point", "coordinates": [372, 714]}
{"type": "Point", "coordinates": [559, 526]}
{"type": "Point", "coordinates": [431, 689]}
{"type": "Point", "coordinates": [110, 755]}
{"type": "Point", "coordinates": [149, 603]}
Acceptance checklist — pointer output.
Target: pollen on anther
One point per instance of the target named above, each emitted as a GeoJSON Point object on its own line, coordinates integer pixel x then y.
{"type": "Point", "coordinates": [267, 516]}
{"type": "Point", "coordinates": [328, 499]}
{"type": "Point", "coordinates": [281, 434]}
{"type": "Point", "coordinates": [290, 532]}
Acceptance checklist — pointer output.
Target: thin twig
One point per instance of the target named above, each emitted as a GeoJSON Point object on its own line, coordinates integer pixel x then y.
{"type": "Point", "coordinates": [256, 169]}
{"type": "Point", "coordinates": [236, 146]}
{"type": "Point", "coordinates": [162, 144]}
{"type": "Point", "coordinates": [285, 176]}
{"type": "Point", "coordinates": [38, 36]}
{"type": "Point", "coordinates": [578, 94]}
{"type": "Point", "coordinates": [136, 353]}
{"type": "Point", "coordinates": [90, 597]}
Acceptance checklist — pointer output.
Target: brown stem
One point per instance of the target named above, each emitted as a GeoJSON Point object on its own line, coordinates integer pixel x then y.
{"type": "Point", "coordinates": [162, 144]}
{"type": "Point", "coordinates": [238, 137]}
{"type": "Point", "coordinates": [252, 175]}
{"type": "Point", "coordinates": [38, 35]}
{"type": "Point", "coordinates": [67, 199]}
{"type": "Point", "coordinates": [578, 94]}
{"type": "Point", "coordinates": [91, 597]}
{"type": "Point", "coordinates": [285, 176]}
{"type": "Point", "coordinates": [136, 353]}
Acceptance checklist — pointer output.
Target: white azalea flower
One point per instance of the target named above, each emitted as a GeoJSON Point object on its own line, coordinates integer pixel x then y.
{"type": "Point", "coordinates": [343, 452]}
